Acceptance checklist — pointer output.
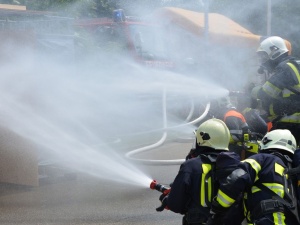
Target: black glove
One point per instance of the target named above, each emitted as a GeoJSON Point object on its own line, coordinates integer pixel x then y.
{"type": "Point", "coordinates": [217, 213]}
{"type": "Point", "coordinates": [215, 219]}
{"type": "Point", "coordinates": [163, 198]}
{"type": "Point", "coordinates": [191, 154]}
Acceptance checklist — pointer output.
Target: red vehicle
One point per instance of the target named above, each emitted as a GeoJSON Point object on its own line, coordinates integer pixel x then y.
{"type": "Point", "coordinates": [139, 39]}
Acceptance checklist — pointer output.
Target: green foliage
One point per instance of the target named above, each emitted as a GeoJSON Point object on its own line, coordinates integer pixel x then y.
{"type": "Point", "coordinates": [74, 8]}
{"type": "Point", "coordinates": [188, 4]}
{"type": "Point", "coordinates": [250, 14]}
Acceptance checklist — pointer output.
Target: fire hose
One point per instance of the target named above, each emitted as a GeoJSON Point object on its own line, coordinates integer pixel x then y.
{"type": "Point", "coordinates": [161, 141]}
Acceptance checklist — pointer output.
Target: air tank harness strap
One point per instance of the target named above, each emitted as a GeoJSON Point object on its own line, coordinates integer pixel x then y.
{"type": "Point", "coordinates": [267, 207]}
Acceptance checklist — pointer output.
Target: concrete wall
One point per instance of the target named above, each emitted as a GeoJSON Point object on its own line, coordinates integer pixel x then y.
{"type": "Point", "coordinates": [18, 159]}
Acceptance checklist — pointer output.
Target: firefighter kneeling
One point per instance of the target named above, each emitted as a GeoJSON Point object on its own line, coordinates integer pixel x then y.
{"type": "Point", "coordinates": [195, 184]}
{"type": "Point", "coordinates": [263, 179]}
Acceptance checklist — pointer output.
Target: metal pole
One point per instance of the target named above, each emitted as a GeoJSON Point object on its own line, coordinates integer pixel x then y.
{"type": "Point", "coordinates": [206, 19]}
{"type": "Point", "coordinates": [269, 17]}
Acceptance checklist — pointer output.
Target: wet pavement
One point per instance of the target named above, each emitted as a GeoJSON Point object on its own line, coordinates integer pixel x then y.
{"type": "Point", "coordinates": [89, 200]}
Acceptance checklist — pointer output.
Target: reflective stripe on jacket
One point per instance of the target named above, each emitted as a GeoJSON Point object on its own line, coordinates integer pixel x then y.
{"type": "Point", "coordinates": [192, 187]}
{"type": "Point", "coordinates": [266, 169]}
{"type": "Point", "coordinates": [284, 83]}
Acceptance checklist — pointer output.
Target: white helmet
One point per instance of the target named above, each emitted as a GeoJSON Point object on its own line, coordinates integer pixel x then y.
{"type": "Point", "coordinates": [213, 133]}
{"type": "Point", "coordinates": [225, 103]}
{"type": "Point", "coordinates": [280, 139]}
{"type": "Point", "coordinates": [254, 91]}
{"type": "Point", "coordinates": [271, 48]}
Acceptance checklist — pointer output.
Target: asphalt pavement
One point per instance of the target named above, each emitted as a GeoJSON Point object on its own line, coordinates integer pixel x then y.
{"type": "Point", "coordinates": [90, 200]}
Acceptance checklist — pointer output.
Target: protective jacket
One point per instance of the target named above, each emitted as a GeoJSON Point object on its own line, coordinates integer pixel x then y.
{"type": "Point", "coordinates": [191, 192]}
{"type": "Point", "coordinates": [197, 183]}
{"type": "Point", "coordinates": [280, 96]}
{"type": "Point", "coordinates": [238, 128]}
{"type": "Point", "coordinates": [260, 169]}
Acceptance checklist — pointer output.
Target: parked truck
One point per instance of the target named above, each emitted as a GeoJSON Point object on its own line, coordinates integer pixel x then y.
{"type": "Point", "coordinates": [173, 38]}
{"type": "Point", "coordinates": [130, 36]}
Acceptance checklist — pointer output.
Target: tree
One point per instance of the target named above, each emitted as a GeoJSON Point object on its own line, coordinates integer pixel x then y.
{"type": "Point", "coordinates": [250, 14]}
{"type": "Point", "coordinates": [73, 8]}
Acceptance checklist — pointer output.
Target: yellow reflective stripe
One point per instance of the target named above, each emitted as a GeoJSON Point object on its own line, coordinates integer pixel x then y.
{"type": "Point", "coordinates": [276, 188]}
{"type": "Point", "coordinates": [247, 213]}
{"type": "Point", "coordinates": [279, 169]}
{"type": "Point", "coordinates": [271, 110]}
{"type": "Point", "coordinates": [224, 200]}
{"type": "Point", "coordinates": [286, 93]}
{"type": "Point", "coordinates": [231, 141]}
{"type": "Point", "coordinates": [255, 165]}
{"type": "Point", "coordinates": [271, 89]}
{"type": "Point", "coordinates": [205, 168]}
{"type": "Point", "coordinates": [279, 218]}
{"type": "Point", "coordinates": [209, 190]}
{"type": "Point", "coordinates": [295, 118]}
{"type": "Point", "coordinates": [294, 68]}
{"type": "Point", "coordinates": [254, 189]}
{"type": "Point", "coordinates": [245, 209]}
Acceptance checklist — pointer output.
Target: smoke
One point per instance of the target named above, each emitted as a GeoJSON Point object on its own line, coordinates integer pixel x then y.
{"type": "Point", "coordinates": [264, 17]}
{"type": "Point", "coordinates": [79, 114]}
{"type": "Point", "coordinates": [85, 113]}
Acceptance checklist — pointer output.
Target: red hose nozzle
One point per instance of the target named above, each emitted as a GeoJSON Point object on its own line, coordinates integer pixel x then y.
{"type": "Point", "coordinates": [159, 187]}
{"type": "Point", "coordinates": [153, 184]}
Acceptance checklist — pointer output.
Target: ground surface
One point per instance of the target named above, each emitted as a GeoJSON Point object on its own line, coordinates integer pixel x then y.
{"type": "Point", "coordinates": [88, 200]}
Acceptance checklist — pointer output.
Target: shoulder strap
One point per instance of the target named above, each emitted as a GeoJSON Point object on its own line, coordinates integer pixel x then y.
{"type": "Point", "coordinates": [274, 195]}
{"type": "Point", "coordinates": [210, 175]}
{"type": "Point", "coordinates": [292, 207]}
{"type": "Point", "coordinates": [290, 199]}
{"type": "Point", "coordinates": [294, 171]}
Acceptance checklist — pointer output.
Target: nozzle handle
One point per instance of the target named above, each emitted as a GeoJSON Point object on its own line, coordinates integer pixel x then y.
{"type": "Point", "coordinates": [159, 187]}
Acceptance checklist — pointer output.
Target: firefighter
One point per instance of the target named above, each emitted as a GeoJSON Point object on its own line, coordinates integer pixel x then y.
{"type": "Point", "coordinates": [242, 140]}
{"type": "Point", "coordinates": [263, 180]}
{"type": "Point", "coordinates": [192, 190]}
{"type": "Point", "coordinates": [279, 95]}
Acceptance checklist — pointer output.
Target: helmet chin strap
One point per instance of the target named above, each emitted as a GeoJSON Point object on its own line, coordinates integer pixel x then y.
{"type": "Point", "coordinates": [268, 66]}
{"type": "Point", "coordinates": [271, 64]}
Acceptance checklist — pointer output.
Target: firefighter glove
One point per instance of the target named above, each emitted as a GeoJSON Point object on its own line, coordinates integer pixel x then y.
{"type": "Point", "coordinates": [163, 198]}
{"type": "Point", "coordinates": [217, 213]}
{"type": "Point", "coordinates": [216, 208]}
{"type": "Point", "coordinates": [215, 219]}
